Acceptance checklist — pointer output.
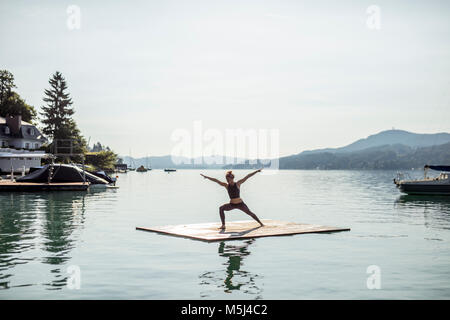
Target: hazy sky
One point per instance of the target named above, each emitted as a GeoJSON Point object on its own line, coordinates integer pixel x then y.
{"type": "Point", "coordinates": [138, 70]}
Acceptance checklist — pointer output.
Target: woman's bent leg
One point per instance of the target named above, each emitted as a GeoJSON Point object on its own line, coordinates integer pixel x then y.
{"type": "Point", "coordinates": [225, 207]}
{"type": "Point", "coordinates": [243, 207]}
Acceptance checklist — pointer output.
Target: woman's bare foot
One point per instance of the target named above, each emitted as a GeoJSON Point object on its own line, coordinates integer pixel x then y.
{"type": "Point", "coordinates": [222, 227]}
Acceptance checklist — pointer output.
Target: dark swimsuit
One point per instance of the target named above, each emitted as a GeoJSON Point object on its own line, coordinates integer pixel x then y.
{"type": "Point", "coordinates": [233, 191]}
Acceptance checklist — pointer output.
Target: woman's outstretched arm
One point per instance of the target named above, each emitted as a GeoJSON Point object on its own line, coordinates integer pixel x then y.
{"type": "Point", "coordinates": [223, 184]}
{"type": "Point", "coordinates": [248, 176]}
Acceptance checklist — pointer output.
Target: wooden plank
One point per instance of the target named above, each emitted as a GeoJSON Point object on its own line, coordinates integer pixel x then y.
{"type": "Point", "coordinates": [9, 182]}
{"type": "Point", "coordinates": [12, 186]}
{"type": "Point", "coordinates": [240, 230]}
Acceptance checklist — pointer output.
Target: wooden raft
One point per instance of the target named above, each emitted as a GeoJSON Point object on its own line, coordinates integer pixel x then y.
{"type": "Point", "coordinates": [240, 230]}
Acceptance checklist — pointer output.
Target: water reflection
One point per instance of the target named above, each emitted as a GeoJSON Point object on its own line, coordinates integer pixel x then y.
{"type": "Point", "coordinates": [424, 199]}
{"type": "Point", "coordinates": [63, 214]}
{"type": "Point", "coordinates": [39, 227]}
{"type": "Point", "coordinates": [434, 209]}
{"type": "Point", "coordinates": [233, 278]}
{"type": "Point", "coordinates": [17, 232]}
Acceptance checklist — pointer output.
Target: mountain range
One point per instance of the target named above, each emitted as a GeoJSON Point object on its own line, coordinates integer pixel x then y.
{"type": "Point", "coordinates": [391, 137]}
{"type": "Point", "coordinates": [390, 149]}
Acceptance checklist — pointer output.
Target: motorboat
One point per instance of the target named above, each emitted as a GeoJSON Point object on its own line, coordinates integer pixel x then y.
{"type": "Point", "coordinates": [103, 175]}
{"type": "Point", "coordinates": [170, 170]}
{"type": "Point", "coordinates": [439, 185]}
{"type": "Point", "coordinates": [111, 181]}
{"type": "Point", "coordinates": [67, 173]}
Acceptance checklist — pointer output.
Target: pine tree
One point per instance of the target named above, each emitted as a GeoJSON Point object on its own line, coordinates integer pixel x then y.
{"type": "Point", "coordinates": [57, 116]}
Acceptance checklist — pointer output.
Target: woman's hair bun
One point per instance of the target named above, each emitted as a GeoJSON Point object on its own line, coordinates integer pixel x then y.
{"type": "Point", "coordinates": [229, 174]}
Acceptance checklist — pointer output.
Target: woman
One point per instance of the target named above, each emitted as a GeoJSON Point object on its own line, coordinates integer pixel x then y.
{"type": "Point", "coordinates": [236, 202]}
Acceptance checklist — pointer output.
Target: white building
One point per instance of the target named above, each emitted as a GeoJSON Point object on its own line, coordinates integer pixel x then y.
{"type": "Point", "coordinates": [19, 161]}
{"type": "Point", "coordinates": [18, 143]}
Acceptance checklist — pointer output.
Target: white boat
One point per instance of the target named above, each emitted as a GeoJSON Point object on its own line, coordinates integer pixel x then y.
{"type": "Point", "coordinates": [439, 185]}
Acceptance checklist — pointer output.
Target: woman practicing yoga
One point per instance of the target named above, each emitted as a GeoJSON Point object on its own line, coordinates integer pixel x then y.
{"type": "Point", "coordinates": [235, 200]}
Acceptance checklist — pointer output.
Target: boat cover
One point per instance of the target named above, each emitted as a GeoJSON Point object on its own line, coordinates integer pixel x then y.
{"type": "Point", "coordinates": [61, 173]}
{"type": "Point", "coordinates": [438, 168]}
{"type": "Point", "coordinates": [103, 175]}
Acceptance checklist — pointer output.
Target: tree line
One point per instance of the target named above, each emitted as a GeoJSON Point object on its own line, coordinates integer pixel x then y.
{"type": "Point", "coordinates": [55, 121]}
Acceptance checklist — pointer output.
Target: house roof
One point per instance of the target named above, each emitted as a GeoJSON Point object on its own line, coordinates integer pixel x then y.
{"type": "Point", "coordinates": [25, 132]}
{"type": "Point", "coordinates": [24, 123]}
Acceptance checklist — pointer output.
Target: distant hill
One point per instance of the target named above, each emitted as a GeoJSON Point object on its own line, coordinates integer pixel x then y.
{"type": "Point", "coordinates": [396, 156]}
{"type": "Point", "coordinates": [391, 137]}
{"type": "Point", "coordinates": [391, 149]}
{"type": "Point", "coordinates": [161, 162]}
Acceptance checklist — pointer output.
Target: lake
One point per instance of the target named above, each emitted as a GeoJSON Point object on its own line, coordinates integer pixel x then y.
{"type": "Point", "coordinates": [44, 237]}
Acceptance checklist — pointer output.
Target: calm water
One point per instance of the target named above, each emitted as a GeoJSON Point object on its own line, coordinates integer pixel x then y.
{"type": "Point", "coordinates": [43, 235]}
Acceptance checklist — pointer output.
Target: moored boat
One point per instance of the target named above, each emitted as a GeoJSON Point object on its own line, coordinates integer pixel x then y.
{"type": "Point", "coordinates": [439, 185]}
{"type": "Point", "coordinates": [61, 173]}
{"type": "Point", "coordinates": [58, 177]}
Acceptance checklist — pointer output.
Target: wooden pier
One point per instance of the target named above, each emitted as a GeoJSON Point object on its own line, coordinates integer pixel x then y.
{"type": "Point", "coordinates": [12, 186]}
{"type": "Point", "coordinates": [240, 230]}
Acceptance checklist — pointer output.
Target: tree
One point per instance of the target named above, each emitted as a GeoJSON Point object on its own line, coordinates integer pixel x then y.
{"type": "Point", "coordinates": [102, 160]}
{"type": "Point", "coordinates": [57, 118]}
{"type": "Point", "coordinates": [57, 114]}
{"type": "Point", "coordinates": [97, 147]}
{"type": "Point", "coordinates": [10, 102]}
{"type": "Point", "coordinates": [6, 85]}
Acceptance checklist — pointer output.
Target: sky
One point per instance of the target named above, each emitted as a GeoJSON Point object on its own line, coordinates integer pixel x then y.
{"type": "Point", "coordinates": [316, 71]}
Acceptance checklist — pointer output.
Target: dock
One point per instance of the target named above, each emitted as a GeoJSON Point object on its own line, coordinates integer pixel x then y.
{"type": "Point", "coordinates": [9, 186]}
{"type": "Point", "coordinates": [235, 230]}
